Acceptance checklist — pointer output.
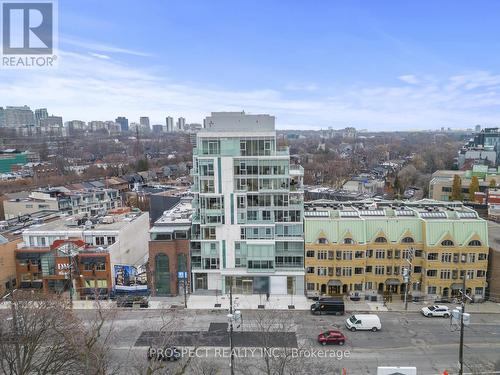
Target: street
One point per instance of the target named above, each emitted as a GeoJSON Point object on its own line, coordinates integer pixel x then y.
{"type": "Point", "coordinates": [430, 344]}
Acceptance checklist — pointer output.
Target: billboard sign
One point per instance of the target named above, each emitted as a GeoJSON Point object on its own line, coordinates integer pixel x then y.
{"type": "Point", "coordinates": [130, 278]}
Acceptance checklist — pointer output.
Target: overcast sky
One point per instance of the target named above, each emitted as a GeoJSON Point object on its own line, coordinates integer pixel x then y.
{"type": "Point", "coordinates": [376, 65]}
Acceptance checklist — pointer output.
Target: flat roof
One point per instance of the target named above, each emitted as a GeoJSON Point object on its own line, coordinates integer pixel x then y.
{"type": "Point", "coordinates": [61, 225]}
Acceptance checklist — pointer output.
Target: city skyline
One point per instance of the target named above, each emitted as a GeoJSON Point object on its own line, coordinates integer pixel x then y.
{"type": "Point", "coordinates": [313, 67]}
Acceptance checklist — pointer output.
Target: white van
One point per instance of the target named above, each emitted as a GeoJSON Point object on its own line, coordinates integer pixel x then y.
{"type": "Point", "coordinates": [363, 322]}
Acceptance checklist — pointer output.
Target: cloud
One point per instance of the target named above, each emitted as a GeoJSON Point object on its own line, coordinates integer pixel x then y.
{"type": "Point", "coordinates": [100, 56]}
{"type": "Point", "coordinates": [409, 78]}
{"type": "Point", "coordinates": [91, 86]}
{"type": "Point", "coordinates": [301, 87]}
{"type": "Point", "coordinates": [100, 47]}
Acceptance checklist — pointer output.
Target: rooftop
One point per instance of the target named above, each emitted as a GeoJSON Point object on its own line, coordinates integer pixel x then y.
{"type": "Point", "coordinates": [426, 209]}
{"type": "Point", "coordinates": [180, 214]}
{"type": "Point", "coordinates": [238, 121]}
{"type": "Point", "coordinates": [110, 222]}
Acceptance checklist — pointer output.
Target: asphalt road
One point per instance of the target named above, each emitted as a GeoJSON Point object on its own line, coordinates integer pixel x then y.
{"type": "Point", "coordinates": [430, 344]}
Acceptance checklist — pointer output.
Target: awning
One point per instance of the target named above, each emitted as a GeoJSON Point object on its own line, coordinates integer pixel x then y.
{"type": "Point", "coordinates": [335, 283]}
{"type": "Point", "coordinates": [392, 282]}
{"type": "Point", "coordinates": [456, 286]}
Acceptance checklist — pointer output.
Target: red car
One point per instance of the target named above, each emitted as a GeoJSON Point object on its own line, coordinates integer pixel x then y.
{"type": "Point", "coordinates": [331, 337]}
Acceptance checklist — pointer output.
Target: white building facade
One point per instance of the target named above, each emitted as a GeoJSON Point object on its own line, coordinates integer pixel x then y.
{"type": "Point", "coordinates": [247, 229]}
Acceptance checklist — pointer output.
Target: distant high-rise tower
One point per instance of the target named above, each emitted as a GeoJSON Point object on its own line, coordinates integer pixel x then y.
{"type": "Point", "coordinates": [478, 128]}
{"type": "Point", "coordinates": [144, 121]}
{"type": "Point", "coordinates": [123, 121]}
{"type": "Point", "coordinates": [180, 123]}
{"type": "Point", "coordinates": [169, 122]}
{"type": "Point", "coordinates": [40, 114]}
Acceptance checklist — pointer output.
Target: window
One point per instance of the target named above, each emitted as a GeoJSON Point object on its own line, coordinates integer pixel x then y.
{"type": "Point", "coordinates": [102, 283]}
{"type": "Point", "coordinates": [111, 240]}
{"type": "Point", "coordinates": [100, 266]}
{"type": "Point", "coordinates": [368, 285]}
{"type": "Point", "coordinates": [322, 255]}
{"type": "Point", "coordinates": [431, 273]}
{"type": "Point", "coordinates": [475, 243]}
{"type": "Point", "coordinates": [99, 240]}
{"type": "Point", "coordinates": [446, 257]}
{"type": "Point", "coordinates": [445, 274]}
{"type": "Point", "coordinates": [369, 253]}
{"type": "Point", "coordinates": [431, 290]}
{"type": "Point", "coordinates": [470, 274]}
{"type": "Point", "coordinates": [432, 256]}
{"type": "Point", "coordinates": [368, 269]}
{"type": "Point", "coordinates": [478, 291]}
{"type": "Point", "coordinates": [310, 253]}
{"type": "Point", "coordinates": [346, 271]}
{"type": "Point", "coordinates": [358, 270]}
{"type": "Point", "coordinates": [322, 271]}
{"type": "Point", "coordinates": [358, 254]}
{"type": "Point", "coordinates": [348, 241]}
{"type": "Point", "coordinates": [472, 258]}
{"type": "Point", "coordinates": [379, 254]}
{"type": "Point", "coordinates": [322, 241]}
{"type": "Point", "coordinates": [330, 255]}
{"type": "Point", "coordinates": [379, 270]}
{"type": "Point", "coordinates": [418, 253]}
{"type": "Point", "coordinates": [482, 256]}
{"type": "Point", "coordinates": [447, 243]}
{"type": "Point", "coordinates": [480, 273]}
{"type": "Point", "coordinates": [347, 255]}
{"type": "Point", "coordinates": [380, 240]}
{"type": "Point", "coordinates": [310, 286]}
{"type": "Point", "coordinates": [407, 240]}
{"type": "Point", "coordinates": [310, 269]}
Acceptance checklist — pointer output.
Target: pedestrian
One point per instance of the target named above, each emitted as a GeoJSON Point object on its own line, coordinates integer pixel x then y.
{"type": "Point", "coordinates": [267, 296]}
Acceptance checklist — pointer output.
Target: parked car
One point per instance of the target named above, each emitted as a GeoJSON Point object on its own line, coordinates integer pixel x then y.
{"type": "Point", "coordinates": [328, 306]}
{"type": "Point", "coordinates": [331, 337]}
{"type": "Point", "coordinates": [168, 353]}
{"type": "Point", "coordinates": [436, 310]}
{"type": "Point", "coordinates": [366, 322]}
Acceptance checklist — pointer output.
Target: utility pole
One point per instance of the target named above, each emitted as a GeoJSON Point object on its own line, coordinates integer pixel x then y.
{"type": "Point", "coordinates": [231, 363]}
{"type": "Point", "coordinates": [407, 276]}
{"type": "Point", "coordinates": [185, 282]}
{"type": "Point", "coordinates": [70, 273]}
{"type": "Point", "coordinates": [461, 352]}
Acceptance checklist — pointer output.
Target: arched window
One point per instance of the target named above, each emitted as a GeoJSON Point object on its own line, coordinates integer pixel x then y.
{"type": "Point", "coordinates": [475, 243]}
{"type": "Point", "coordinates": [322, 241]}
{"type": "Point", "coordinates": [380, 240]}
{"type": "Point", "coordinates": [407, 240]}
{"type": "Point", "coordinates": [447, 243]}
{"type": "Point", "coordinates": [348, 241]}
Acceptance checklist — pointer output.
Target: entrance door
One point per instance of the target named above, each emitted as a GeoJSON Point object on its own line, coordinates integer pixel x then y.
{"type": "Point", "coordinates": [201, 281]}
{"type": "Point", "coordinates": [162, 275]}
{"type": "Point", "coordinates": [247, 286]}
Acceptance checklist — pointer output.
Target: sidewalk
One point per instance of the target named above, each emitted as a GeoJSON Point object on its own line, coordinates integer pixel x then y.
{"type": "Point", "coordinates": [249, 302]}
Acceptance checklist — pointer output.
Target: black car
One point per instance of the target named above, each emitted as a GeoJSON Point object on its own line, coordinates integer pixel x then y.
{"type": "Point", "coordinates": [167, 353]}
{"type": "Point", "coordinates": [328, 306]}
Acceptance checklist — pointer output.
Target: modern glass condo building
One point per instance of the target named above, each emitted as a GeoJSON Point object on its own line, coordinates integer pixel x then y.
{"type": "Point", "coordinates": [247, 227]}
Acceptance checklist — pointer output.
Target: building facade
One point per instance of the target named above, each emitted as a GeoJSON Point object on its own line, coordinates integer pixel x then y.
{"type": "Point", "coordinates": [441, 184]}
{"type": "Point", "coordinates": [169, 263]}
{"type": "Point", "coordinates": [247, 229]}
{"type": "Point", "coordinates": [66, 201]}
{"type": "Point", "coordinates": [117, 241]}
{"type": "Point", "coordinates": [366, 247]}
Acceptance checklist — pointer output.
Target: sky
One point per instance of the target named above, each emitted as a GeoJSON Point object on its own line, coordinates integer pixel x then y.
{"type": "Point", "coordinates": [376, 65]}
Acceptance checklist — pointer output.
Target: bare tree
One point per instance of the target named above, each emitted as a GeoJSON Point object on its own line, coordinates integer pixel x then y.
{"type": "Point", "coordinates": [34, 339]}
